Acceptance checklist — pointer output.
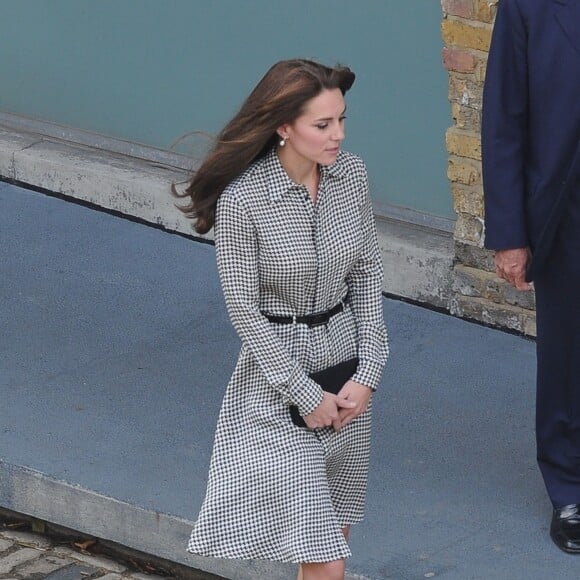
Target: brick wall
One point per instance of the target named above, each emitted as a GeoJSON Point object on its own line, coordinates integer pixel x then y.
{"type": "Point", "coordinates": [477, 292]}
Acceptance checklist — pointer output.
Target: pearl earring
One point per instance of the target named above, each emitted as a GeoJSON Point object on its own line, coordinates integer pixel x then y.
{"type": "Point", "coordinates": [282, 142]}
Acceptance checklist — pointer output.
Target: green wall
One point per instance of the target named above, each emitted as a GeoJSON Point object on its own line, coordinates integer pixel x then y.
{"type": "Point", "coordinates": [151, 70]}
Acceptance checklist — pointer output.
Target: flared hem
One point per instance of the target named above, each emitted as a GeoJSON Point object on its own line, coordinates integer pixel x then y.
{"type": "Point", "coordinates": [305, 558]}
{"type": "Point", "coordinates": [284, 560]}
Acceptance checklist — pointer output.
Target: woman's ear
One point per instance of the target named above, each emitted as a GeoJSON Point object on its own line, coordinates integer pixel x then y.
{"type": "Point", "coordinates": [282, 131]}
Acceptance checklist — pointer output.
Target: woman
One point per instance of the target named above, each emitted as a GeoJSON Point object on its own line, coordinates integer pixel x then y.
{"type": "Point", "coordinates": [301, 273]}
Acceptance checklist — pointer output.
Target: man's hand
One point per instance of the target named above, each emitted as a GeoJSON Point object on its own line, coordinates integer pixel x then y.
{"type": "Point", "coordinates": [327, 412]}
{"type": "Point", "coordinates": [358, 394]}
{"type": "Point", "coordinates": [511, 266]}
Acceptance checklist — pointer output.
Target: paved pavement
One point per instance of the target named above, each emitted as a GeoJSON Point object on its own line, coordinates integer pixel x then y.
{"type": "Point", "coordinates": [114, 352]}
{"type": "Point", "coordinates": [29, 556]}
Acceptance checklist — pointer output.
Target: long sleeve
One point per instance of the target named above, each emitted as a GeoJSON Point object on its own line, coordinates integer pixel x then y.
{"type": "Point", "coordinates": [237, 259]}
{"type": "Point", "coordinates": [365, 296]}
{"type": "Point", "coordinates": [505, 131]}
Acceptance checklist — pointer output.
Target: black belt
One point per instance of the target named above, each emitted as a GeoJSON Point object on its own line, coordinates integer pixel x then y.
{"type": "Point", "coordinates": [310, 319]}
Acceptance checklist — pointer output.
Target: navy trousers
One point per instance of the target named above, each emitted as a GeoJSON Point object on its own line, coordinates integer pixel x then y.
{"type": "Point", "coordinates": [557, 288]}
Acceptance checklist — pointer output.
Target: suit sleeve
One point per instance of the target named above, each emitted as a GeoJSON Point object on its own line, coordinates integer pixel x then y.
{"type": "Point", "coordinates": [237, 260]}
{"type": "Point", "coordinates": [365, 295]}
{"type": "Point", "coordinates": [505, 130]}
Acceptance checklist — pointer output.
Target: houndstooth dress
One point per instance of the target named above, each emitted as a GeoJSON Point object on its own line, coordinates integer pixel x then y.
{"type": "Point", "coordinates": [277, 491]}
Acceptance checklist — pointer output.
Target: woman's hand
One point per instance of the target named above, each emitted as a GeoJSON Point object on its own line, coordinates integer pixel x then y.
{"type": "Point", "coordinates": [358, 394]}
{"type": "Point", "coordinates": [328, 412]}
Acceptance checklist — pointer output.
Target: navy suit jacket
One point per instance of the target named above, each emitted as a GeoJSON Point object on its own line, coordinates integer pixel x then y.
{"type": "Point", "coordinates": [531, 123]}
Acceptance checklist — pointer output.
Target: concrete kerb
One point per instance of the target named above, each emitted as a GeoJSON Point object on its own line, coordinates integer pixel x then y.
{"type": "Point", "coordinates": [128, 185]}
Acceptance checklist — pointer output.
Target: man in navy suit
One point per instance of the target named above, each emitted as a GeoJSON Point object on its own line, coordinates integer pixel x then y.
{"type": "Point", "coordinates": [531, 175]}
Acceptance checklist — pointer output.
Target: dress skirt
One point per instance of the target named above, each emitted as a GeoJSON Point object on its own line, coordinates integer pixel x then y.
{"type": "Point", "coordinates": [277, 491]}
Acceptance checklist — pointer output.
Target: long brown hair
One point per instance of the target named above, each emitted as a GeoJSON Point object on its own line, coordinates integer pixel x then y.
{"type": "Point", "coordinates": [277, 99]}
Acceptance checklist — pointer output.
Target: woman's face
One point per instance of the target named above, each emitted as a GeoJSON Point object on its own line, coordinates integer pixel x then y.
{"type": "Point", "coordinates": [316, 135]}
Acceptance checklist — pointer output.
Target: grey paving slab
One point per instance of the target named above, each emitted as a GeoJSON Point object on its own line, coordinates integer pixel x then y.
{"type": "Point", "coordinates": [91, 559]}
{"type": "Point", "coordinates": [15, 559]}
{"type": "Point", "coordinates": [26, 539]}
{"type": "Point", "coordinates": [4, 545]}
{"type": "Point", "coordinates": [42, 567]}
{"type": "Point", "coordinates": [72, 572]}
{"type": "Point", "coordinates": [115, 349]}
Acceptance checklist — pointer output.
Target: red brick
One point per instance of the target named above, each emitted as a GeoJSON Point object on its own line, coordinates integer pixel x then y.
{"type": "Point", "coordinates": [458, 60]}
{"type": "Point", "coordinates": [461, 8]}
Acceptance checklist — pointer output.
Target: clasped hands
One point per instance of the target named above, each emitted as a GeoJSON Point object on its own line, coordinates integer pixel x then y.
{"type": "Point", "coordinates": [339, 410]}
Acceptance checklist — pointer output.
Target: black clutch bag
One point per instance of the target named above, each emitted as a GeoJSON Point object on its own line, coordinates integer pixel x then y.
{"type": "Point", "coordinates": [331, 380]}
